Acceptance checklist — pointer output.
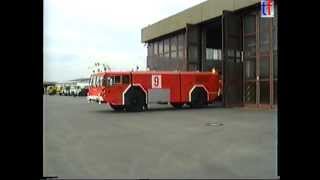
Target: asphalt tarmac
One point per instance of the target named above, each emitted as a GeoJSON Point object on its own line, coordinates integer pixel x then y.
{"type": "Point", "coordinates": [84, 140]}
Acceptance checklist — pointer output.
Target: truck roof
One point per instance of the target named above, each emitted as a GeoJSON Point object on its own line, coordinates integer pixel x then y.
{"type": "Point", "coordinates": [152, 72]}
{"type": "Point", "coordinates": [171, 72]}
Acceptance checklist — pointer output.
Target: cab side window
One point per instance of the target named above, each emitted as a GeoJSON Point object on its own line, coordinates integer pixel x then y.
{"type": "Point", "coordinates": [125, 79]}
{"type": "Point", "coordinates": [101, 80]}
{"type": "Point", "coordinates": [95, 81]}
{"type": "Point", "coordinates": [117, 80]}
{"type": "Point", "coordinates": [114, 80]}
{"type": "Point", "coordinates": [91, 81]}
{"type": "Point", "coordinates": [105, 81]}
{"type": "Point", "coordinates": [108, 81]}
{"type": "Point", "coordinates": [98, 81]}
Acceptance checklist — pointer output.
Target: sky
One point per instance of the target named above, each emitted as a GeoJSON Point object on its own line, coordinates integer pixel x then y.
{"type": "Point", "coordinates": [78, 33]}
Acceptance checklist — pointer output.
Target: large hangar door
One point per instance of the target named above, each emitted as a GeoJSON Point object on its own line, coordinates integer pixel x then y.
{"type": "Point", "coordinates": [193, 47]}
{"type": "Point", "coordinates": [232, 65]}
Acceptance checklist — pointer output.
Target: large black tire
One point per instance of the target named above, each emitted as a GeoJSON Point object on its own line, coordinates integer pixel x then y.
{"type": "Point", "coordinates": [198, 98]}
{"type": "Point", "coordinates": [135, 100]}
{"type": "Point", "coordinates": [177, 105]}
{"type": "Point", "coordinates": [117, 107]}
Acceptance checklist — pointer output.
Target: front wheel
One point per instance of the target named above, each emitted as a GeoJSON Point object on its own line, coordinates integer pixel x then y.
{"type": "Point", "coordinates": [135, 100]}
{"type": "Point", "coordinates": [136, 104]}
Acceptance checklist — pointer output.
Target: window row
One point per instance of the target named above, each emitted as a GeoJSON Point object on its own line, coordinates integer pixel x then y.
{"type": "Point", "coordinates": [172, 47]}
{"type": "Point", "coordinates": [213, 54]}
{"type": "Point", "coordinates": [96, 81]}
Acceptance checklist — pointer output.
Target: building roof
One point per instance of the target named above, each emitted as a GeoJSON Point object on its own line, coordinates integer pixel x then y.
{"type": "Point", "coordinates": [81, 79]}
{"type": "Point", "coordinates": [152, 72]}
{"type": "Point", "coordinates": [46, 83]}
{"type": "Point", "coordinates": [194, 15]}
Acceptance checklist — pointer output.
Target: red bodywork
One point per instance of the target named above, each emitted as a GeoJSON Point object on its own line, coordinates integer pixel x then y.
{"type": "Point", "coordinates": [179, 84]}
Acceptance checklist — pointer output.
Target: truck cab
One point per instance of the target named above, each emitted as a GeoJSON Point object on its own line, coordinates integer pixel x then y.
{"type": "Point", "coordinates": [108, 87]}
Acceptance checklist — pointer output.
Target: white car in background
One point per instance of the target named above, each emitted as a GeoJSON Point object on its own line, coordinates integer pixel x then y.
{"type": "Point", "coordinates": [75, 90]}
{"type": "Point", "coordinates": [66, 91]}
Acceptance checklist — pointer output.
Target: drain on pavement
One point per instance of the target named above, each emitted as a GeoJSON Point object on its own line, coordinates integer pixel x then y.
{"type": "Point", "coordinates": [214, 124]}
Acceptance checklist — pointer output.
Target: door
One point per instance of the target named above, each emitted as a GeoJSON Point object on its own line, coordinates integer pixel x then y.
{"type": "Point", "coordinates": [232, 66]}
{"type": "Point", "coordinates": [193, 47]}
{"type": "Point", "coordinates": [250, 59]}
{"type": "Point", "coordinates": [264, 71]}
{"type": "Point", "coordinates": [259, 60]}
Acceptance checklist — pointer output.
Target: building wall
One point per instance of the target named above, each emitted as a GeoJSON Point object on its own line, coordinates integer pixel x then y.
{"type": "Point", "coordinates": [260, 58]}
{"type": "Point", "coordinates": [167, 53]}
{"type": "Point", "coordinates": [194, 15]}
{"type": "Point", "coordinates": [259, 47]}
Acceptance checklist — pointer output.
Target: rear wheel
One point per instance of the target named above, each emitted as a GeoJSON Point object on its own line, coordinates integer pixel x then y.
{"type": "Point", "coordinates": [117, 107]}
{"type": "Point", "coordinates": [198, 98]}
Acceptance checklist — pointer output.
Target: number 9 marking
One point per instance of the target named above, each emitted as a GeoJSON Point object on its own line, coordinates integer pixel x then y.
{"type": "Point", "coordinates": [156, 81]}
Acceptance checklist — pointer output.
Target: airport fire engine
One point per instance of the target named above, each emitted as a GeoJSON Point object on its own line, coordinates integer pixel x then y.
{"type": "Point", "coordinates": [134, 90]}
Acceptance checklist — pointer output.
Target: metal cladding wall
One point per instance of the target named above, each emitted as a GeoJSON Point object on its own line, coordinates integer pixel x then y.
{"type": "Point", "coordinates": [167, 53]}
{"type": "Point", "coordinates": [194, 15]}
{"type": "Point", "coordinates": [163, 63]}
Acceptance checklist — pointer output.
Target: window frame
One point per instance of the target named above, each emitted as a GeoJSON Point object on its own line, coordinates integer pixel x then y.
{"type": "Point", "coordinates": [156, 48]}
{"type": "Point", "coordinates": [160, 44]}
{"type": "Point", "coordinates": [181, 46]}
{"type": "Point", "coordinates": [150, 49]}
{"type": "Point", "coordinates": [209, 54]}
{"type": "Point", "coordinates": [175, 38]}
{"type": "Point", "coordinates": [166, 47]}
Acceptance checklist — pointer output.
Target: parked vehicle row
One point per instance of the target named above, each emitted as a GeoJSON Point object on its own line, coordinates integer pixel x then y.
{"type": "Point", "coordinates": [74, 91]}
{"type": "Point", "coordinates": [67, 90]}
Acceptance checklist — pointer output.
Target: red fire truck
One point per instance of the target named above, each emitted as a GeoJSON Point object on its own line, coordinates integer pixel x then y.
{"type": "Point", "coordinates": [133, 91]}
